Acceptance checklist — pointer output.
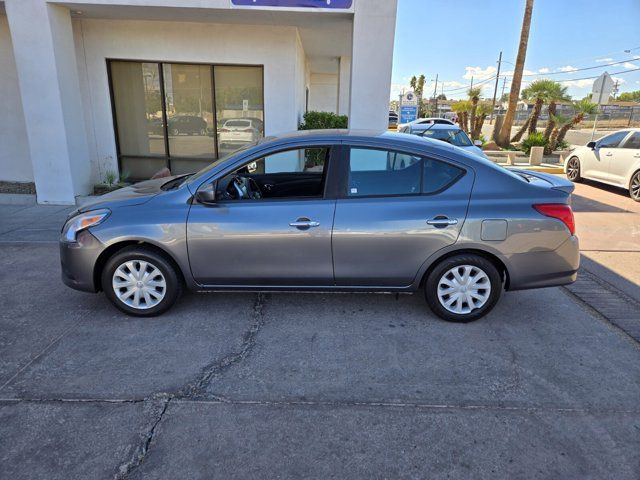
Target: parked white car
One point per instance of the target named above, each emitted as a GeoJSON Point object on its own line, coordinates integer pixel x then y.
{"type": "Point", "coordinates": [614, 160]}
{"type": "Point", "coordinates": [239, 131]}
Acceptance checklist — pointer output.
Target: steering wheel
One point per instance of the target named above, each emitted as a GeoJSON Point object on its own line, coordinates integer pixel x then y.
{"type": "Point", "coordinates": [243, 188]}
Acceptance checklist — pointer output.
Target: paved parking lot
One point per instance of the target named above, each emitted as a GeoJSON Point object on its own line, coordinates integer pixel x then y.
{"type": "Point", "coordinates": [308, 385]}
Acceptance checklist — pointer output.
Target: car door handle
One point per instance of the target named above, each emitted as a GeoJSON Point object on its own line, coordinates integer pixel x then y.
{"type": "Point", "coordinates": [304, 223]}
{"type": "Point", "coordinates": [608, 154]}
{"type": "Point", "coordinates": [442, 221]}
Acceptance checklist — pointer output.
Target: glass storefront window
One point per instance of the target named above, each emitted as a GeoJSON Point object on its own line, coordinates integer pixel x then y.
{"type": "Point", "coordinates": [239, 106]}
{"type": "Point", "coordinates": [189, 104]}
{"type": "Point", "coordinates": [138, 113]}
{"type": "Point", "coordinates": [145, 95]}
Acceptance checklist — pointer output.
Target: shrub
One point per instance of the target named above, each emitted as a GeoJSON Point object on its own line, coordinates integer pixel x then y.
{"type": "Point", "coordinates": [323, 120]}
{"type": "Point", "coordinates": [535, 139]}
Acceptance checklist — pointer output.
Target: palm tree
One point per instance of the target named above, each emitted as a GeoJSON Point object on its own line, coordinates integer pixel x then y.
{"type": "Point", "coordinates": [538, 92]}
{"type": "Point", "coordinates": [462, 108]}
{"type": "Point", "coordinates": [483, 110]}
{"type": "Point", "coordinates": [503, 136]}
{"type": "Point", "coordinates": [582, 108]}
{"type": "Point", "coordinates": [557, 93]}
{"type": "Point", "coordinates": [474, 97]}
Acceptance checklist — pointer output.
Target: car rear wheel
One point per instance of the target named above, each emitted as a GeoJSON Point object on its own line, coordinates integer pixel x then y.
{"type": "Point", "coordinates": [463, 288]}
{"type": "Point", "coordinates": [141, 282]}
{"type": "Point", "coordinates": [634, 186]}
{"type": "Point", "coordinates": [573, 169]}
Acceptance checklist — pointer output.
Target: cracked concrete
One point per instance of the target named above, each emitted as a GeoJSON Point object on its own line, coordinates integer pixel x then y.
{"type": "Point", "coordinates": [307, 385]}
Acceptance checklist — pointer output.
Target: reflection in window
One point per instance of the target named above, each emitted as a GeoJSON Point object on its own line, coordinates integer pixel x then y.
{"type": "Point", "coordinates": [189, 106]}
{"type": "Point", "coordinates": [239, 106]}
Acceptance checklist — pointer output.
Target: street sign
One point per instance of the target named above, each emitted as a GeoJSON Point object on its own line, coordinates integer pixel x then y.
{"type": "Point", "coordinates": [408, 107]}
{"type": "Point", "coordinates": [245, 105]}
{"type": "Point", "coordinates": [602, 89]}
{"type": "Point", "coordinates": [332, 4]}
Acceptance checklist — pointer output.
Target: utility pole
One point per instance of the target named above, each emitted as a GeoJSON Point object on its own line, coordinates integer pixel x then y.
{"type": "Point", "coordinates": [495, 89]}
{"type": "Point", "coordinates": [435, 95]}
{"type": "Point", "coordinates": [471, 83]}
{"type": "Point", "coordinates": [504, 84]}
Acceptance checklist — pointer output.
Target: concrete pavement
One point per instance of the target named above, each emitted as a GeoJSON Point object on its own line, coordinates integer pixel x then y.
{"type": "Point", "coordinates": [313, 385]}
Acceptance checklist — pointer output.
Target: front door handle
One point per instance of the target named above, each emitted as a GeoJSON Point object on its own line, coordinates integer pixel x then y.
{"type": "Point", "coordinates": [303, 223]}
{"type": "Point", "coordinates": [608, 154]}
{"type": "Point", "coordinates": [441, 221]}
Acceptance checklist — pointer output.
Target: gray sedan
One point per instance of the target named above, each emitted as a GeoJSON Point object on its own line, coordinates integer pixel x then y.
{"type": "Point", "coordinates": [329, 211]}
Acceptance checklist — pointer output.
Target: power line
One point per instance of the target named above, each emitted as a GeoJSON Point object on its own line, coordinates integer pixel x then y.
{"type": "Point", "coordinates": [580, 69]}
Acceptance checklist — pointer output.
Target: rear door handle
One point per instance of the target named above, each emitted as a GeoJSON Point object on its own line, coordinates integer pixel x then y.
{"type": "Point", "coordinates": [304, 223]}
{"type": "Point", "coordinates": [442, 221]}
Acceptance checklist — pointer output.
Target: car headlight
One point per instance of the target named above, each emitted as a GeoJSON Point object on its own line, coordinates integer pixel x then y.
{"type": "Point", "coordinates": [82, 222]}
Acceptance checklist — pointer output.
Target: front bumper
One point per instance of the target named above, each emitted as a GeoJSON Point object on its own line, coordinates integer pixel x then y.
{"type": "Point", "coordinates": [78, 260]}
{"type": "Point", "coordinates": [547, 268]}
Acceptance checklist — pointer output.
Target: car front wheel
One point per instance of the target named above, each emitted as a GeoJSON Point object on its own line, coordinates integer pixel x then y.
{"type": "Point", "coordinates": [141, 282]}
{"type": "Point", "coordinates": [463, 288]}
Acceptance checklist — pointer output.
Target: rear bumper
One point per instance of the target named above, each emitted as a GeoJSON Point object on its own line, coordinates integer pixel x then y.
{"type": "Point", "coordinates": [545, 269]}
{"type": "Point", "coordinates": [77, 261]}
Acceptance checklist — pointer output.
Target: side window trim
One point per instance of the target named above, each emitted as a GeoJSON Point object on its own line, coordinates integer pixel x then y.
{"type": "Point", "coordinates": [344, 169]}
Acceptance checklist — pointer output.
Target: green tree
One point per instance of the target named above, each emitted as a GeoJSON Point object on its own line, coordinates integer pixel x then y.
{"type": "Point", "coordinates": [502, 138]}
{"type": "Point", "coordinates": [474, 98]}
{"type": "Point", "coordinates": [629, 96]}
{"type": "Point", "coordinates": [417, 84]}
{"type": "Point", "coordinates": [582, 109]}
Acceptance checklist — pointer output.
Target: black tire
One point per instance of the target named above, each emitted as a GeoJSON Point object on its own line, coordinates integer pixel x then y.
{"type": "Point", "coordinates": [634, 186]}
{"type": "Point", "coordinates": [173, 282]}
{"type": "Point", "coordinates": [436, 275]}
{"type": "Point", "coordinates": [573, 170]}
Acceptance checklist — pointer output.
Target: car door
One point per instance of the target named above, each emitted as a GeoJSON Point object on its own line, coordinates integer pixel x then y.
{"type": "Point", "coordinates": [624, 159]}
{"type": "Point", "coordinates": [394, 210]}
{"type": "Point", "coordinates": [603, 153]}
{"type": "Point", "coordinates": [268, 241]}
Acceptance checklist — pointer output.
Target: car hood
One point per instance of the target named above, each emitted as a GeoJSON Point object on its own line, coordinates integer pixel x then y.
{"type": "Point", "coordinates": [135, 194]}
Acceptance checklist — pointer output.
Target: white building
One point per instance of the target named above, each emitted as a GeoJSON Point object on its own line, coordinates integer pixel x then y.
{"type": "Point", "coordinates": [93, 88]}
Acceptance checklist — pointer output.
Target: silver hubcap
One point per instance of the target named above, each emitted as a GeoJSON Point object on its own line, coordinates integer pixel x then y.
{"type": "Point", "coordinates": [573, 169]}
{"type": "Point", "coordinates": [463, 289]}
{"type": "Point", "coordinates": [635, 186]}
{"type": "Point", "coordinates": [139, 284]}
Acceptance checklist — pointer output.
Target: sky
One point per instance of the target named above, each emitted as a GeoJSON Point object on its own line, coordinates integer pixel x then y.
{"type": "Point", "coordinates": [458, 39]}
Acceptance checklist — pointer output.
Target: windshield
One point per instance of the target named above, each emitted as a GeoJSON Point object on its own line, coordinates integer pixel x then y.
{"type": "Point", "coordinates": [223, 157]}
{"type": "Point", "coordinates": [453, 136]}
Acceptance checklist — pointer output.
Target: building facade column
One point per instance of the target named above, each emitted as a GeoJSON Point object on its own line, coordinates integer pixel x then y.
{"type": "Point", "coordinates": [44, 52]}
{"type": "Point", "coordinates": [374, 26]}
{"type": "Point", "coordinates": [344, 85]}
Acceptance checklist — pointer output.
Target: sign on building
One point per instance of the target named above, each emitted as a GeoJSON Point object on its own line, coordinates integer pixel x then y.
{"type": "Point", "coordinates": [334, 4]}
{"type": "Point", "coordinates": [602, 89]}
{"type": "Point", "coordinates": [408, 107]}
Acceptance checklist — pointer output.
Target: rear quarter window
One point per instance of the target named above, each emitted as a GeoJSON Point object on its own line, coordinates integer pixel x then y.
{"type": "Point", "coordinates": [439, 175]}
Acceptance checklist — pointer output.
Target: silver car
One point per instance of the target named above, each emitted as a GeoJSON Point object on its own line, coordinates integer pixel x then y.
{"type": "Point", "coordinates": [452, 134]}
{"type": "Point", "coordinates": [329, 211]}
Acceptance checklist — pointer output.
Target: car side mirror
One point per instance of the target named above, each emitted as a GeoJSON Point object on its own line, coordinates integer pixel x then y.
{"type": "Point", "coordinates": [591, 145]}
{"type": "Point", "coordinates": [206, 194]}
{"type": "Point", "coordinates": [477, 143]}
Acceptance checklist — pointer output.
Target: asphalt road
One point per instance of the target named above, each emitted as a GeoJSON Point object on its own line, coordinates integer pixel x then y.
{"type": "Point", "coordinates": [306, 385]}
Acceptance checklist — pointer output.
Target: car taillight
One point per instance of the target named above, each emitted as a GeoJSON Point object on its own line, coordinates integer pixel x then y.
{"type": "Point", "coordinates": [560, 211]}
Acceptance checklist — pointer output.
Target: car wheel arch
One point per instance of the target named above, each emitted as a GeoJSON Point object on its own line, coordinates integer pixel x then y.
{"type": "Point", "coordinates": [114, 248]}
{"type": "Point", "coordinates": [432, 262]}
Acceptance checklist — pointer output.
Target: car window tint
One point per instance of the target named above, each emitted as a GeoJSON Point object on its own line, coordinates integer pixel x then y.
{"type": "Point", "coordinates": [612, 141]}
{"type": "Point", "coordinates": [633, 141]}
{"type": "Point", "coordinates": [296, 173]}
{"type": "Point", "coordinates": [438, 175]}
{"type": "Point", "coordinates": [383, 172]}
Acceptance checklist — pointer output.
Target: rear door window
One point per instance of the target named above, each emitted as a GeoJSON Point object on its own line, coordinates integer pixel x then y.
{"type": "Point", "coordinates": [379, 172]}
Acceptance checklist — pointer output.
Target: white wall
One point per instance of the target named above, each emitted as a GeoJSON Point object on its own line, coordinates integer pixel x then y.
{"type": "Point", "coordinates": [374, 28]}
{"type": "Point", "coordinates": [275, 47]}
{"type": "Point", "coordinates": [323, 92]}
{"type": "Point", "coordinates": [15, 162]}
